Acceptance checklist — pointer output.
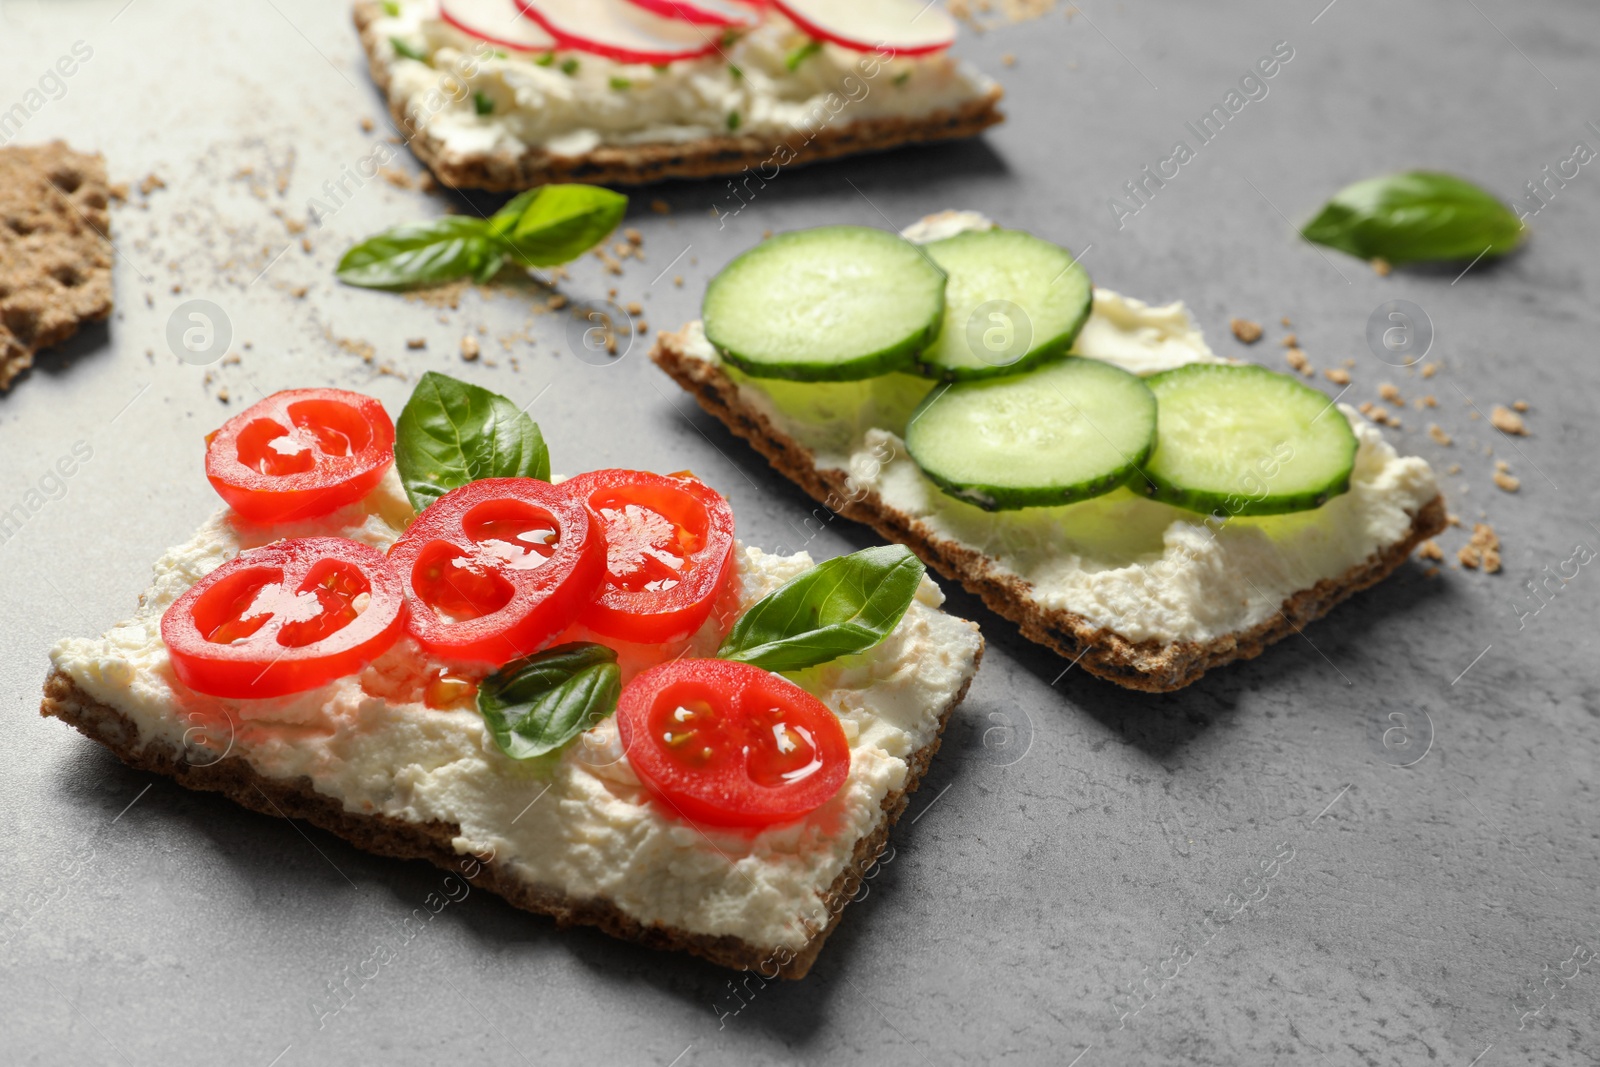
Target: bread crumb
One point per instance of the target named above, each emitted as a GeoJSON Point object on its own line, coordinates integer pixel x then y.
{"type": "Point", "coordinates": [151, 183]}
{"type": "Point", "coordinates": [677, 279]}
{"type": "Point", "coordinates": [1430, 369]}
{"type": "Point", "coordinates": [367, 125]}
{"type": "Point", "coordinates": [644, 327]}
{"type": "Point", "coordinates": [633, 236]}
{"type": "Point", "coordinates": [634, 307]}
{"type": "Point", "coordinates": [556, 302]}
{"type": "Point", "coordinates": [1438, 435]}
{"type": "Point", "coordinates": [1505, 420]}
{"type": "Point", "coordinates": [223, 394]}
{"type": "Point", "coordinates": [1009, 60]}
{"type": "Point", "coordinates": [299, 292]}
{"type": "Point", "coordinates": [1337, 376]}
{"type": "Point", "coordinates": [469, 348]}
{"type": "Point", "coordinates": [1380, 267]}
{"type": "Point", "coordinates": [1454, 468]}
{"type": "Point", "coordinates": [1482, 550]}
{"type": "Point", "coordinates": [1430, 549]}
{"type": "Point", "coordinates": [661, 207]}
{"type": "Point", "coordinates": [1246, 331]}
{"type": "Point", "coordinates": [395, 177]}
{"type": "Point", "coordinates": [1290, 341]}
{"type": "Point", "coordinates": [1508, 482]}
{"type": "Point", "coordinates": [1388, 391]}
{"type": "Point", "coordinates": [1297, 359]}
{"type": "Point", "coordinates": [416, 342]}
{"type": "Point", "coordinates": [1519, 405]}
{"type": "Point", "coordinates": [1429, 401]}
{"type": "Point", "coordinates": [1431, 572]}
{"type": "Point", "coordinates": [305, 245]}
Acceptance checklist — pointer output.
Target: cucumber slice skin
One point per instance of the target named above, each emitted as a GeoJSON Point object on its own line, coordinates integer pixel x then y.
{"type": "Point", "coordinates": [1337, 447]}
{"type": "Point", "coordinates": [896, 355]}
{"type": "Point", "coordinates": [953, 253]}
{"type": "Point", "coordinates": [1141, 409]}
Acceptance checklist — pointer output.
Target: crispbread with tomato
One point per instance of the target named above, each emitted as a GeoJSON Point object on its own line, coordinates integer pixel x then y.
{"type": "Point", "coordinates": [510, 94]}
{"type": "Point", "coordinates": [583, 695]}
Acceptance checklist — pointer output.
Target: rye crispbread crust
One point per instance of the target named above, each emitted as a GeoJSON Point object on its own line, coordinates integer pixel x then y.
{"type": "Point", "coordinates": [1151, 666]}
{"type": "Point", "coordinates": [642, 164]}
{"type": "Point", "coordinates": [235, 778]}
{"type": "Point", "coordinates": [55, 249]}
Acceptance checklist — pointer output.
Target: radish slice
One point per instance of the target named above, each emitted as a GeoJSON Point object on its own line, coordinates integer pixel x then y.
{"type": "Point", "coordinates": [702, 12]}
{"type": "Point", "coordinates": [617, 30]}
{"type": "Point", "coordinates": [905, 27]}
{"type": "Point", "coordinates": [499, 22]}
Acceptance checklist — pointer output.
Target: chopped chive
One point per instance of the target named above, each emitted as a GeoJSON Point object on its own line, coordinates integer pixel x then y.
{"type": "Point", "coordinates": [401, 48]}
{"type": "Point", "coordinates": [482, 104]}
{"type": "Point", "coordinates": [903, 77]}
{"type": "Point", "coordinates": [620, 83]}
{"type": "Point", "coordinates": [733, 120]}
{"type": "Point", "coordinates": [391, 9]}
{"type": "Point", "coordinates": [546, 59]}
{"type": "Point", "coordinates": [735, 72]}
{"type": "Point", "coordinates": [803, 53]}
{"type": "Point", "coordinates": [569, 66]}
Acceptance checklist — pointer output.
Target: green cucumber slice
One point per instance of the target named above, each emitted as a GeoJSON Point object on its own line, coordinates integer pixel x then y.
{"type": "Point", "coordinates": [836, 303]}
{"type": "Point", "coordinates": [1067, 431]}
{"type": "Point", "coordinates": [1013, 301]}
{"type": "Point", "coordinates": [1244, 440]}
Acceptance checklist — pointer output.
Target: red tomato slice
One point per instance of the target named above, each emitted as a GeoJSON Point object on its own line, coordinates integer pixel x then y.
{"type": "Point", "coordinates": [300, 453]}
{"type": "Point", "coordinates": [731, 744]}
{"type": "Point", "coordinates": [495, 568]}
{"type": "Point", "coordinates": [285, 618]}
{"type": "Point", "coordinates": [669, 552]}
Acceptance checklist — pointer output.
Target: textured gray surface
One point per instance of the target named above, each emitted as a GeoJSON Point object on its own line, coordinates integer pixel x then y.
{"type": "Point", "coordinates": [1425, 910]}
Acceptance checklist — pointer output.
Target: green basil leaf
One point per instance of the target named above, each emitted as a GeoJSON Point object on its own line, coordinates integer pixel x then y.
{"type": "Point", "coordinates": [556, 224]}
{"type": "Point", "coordinates": [843, 606]}
{"type": "Point", "coordinates": [423, 253]}
{"type": "Point", "coordinates": [537, 704]}
{"type": "Point", "coordinates": [1414, 217]}
{"type": "Point", "coordinates": [452, 433]}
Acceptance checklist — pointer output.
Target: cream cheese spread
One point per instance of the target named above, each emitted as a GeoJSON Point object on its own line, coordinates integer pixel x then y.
{"type": "Point", "coordinates": [580, 102]}
{"type": "Point", "coordinates": [1141, 569]}
{"type": "Point", "coordinates": [579, 823]}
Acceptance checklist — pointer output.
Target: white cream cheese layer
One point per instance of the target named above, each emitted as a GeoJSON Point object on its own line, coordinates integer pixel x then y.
{"type": "Point", "coordinates": [580, 102]}
{"type": "Point", "coordinates": [1141, 569]}
{"type": "Point", "coordinates": [580, 823]}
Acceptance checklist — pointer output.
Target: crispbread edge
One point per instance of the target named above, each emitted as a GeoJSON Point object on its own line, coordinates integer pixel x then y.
{"type": "Point", "coordinates": [644, 163]}
{"type": "Point", "coordinates": [296, 798]}
{"type": "Point", "coordinates": [1151, 666]}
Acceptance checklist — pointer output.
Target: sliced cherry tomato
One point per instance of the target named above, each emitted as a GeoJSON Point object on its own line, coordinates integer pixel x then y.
{"type": "Point", "coordinates": [495, 568]}
{"type": "Point", "coordinates": [731, 744]}
{"type": "Point", "coordinates": [300, 453]}
{"type": "Point", "coordinates": [285, 618]}
{"type": "Point", "coordinates": [669, 552]}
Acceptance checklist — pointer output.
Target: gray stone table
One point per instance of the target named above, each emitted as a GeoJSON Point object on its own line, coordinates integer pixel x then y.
{"type": "Point", "coordinates": [1070, 833]}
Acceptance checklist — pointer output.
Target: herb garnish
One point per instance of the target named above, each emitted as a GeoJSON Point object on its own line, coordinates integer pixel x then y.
{"type": "Point", "coordinates": [1413, 217]}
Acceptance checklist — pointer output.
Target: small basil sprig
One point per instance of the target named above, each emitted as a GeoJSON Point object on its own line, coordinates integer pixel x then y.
{"type": "Point", "coordinates": [543, 227]}
{"type": "Point", "coordinates": [844, 606]}
{"type": "Point", "coordinates": [537, 704]}
{"type": "Point", "coordinates": [1414, 217]}
{"type": "Point", "coordinates": [452, 432]}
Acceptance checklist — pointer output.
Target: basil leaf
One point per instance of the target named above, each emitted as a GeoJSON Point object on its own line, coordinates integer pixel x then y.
{"type": "Point", "coordinates": [843, 606]}
{"type": "Point", "coordinates": [423, 253]}
{"type": "Point", "coordinates": [537, 704]}
{"type": "Point", "coordinates": [452, 433]}
{"type": "Point", "coordinates": [1413, 217]}
{"type": "Point", "coordinates": [556, 224]}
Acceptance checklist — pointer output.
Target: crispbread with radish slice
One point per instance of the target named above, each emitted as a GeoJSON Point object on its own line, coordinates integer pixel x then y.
{"type": "Point", "coordinates": [617, 29]}
{"type": "Point", "coordinates": [902, 27]}
{"type": "Point", "coordinates": [703, 12]}
{"type": "Point", "coordinates": [500, 22]}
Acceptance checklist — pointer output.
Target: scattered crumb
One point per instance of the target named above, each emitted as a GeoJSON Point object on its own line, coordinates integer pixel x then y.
{"type": "Point", "coordinates": [1438, 435]}
{"type": "Point", "coordinates": [1297, 359]}
{"type": "Point", "coordinates": [1286, 322]}
{"type": "Point", "coordinates": [151, 183]}
{"type": "Point", "coordinates": [305, 245]}
{"type": "Point", "coordinates": [661, 207]}
{"type": "Point", "coordinates": [1454, 468]}
{"type": "Point", "coordinates": [1482, 550]}
{"type": "Point", "coordinates": [644, 327]}
{"type": "Point", "coordinates": [397, 178]}
{"type": "Point", "coordinates": [1431, 572]}
{"type": "Point", "coordinates": [633, 236]}
{"type": "Point", "coordinates": [366, 125]}
{"type": "Point", "coordinates": [556, 302]}
{"type": "Point", "coordinates": [677, 279]}
{"type": "Point", "coordinates": [1290, 341]}
{"type": "Point", "coordinates": [1390, 393]}
{"type": "Point", "coordinates": [1430, 549]}
{"type": "Point", "coordinates": [1508, 482]}
{"type": "Point", "coordinates": [1246, 331]}
{"type": "Point", "coordinates": [1519, 405]}
{"type": "Point", "coordinates": [634, 307]}
{"type": "Point", "coordinates": [1505, 420]}
{"type": "Point", "coordinates": [1380, 267]}
{"type": "Point", "coordinates": [223, 394]}
{"type": "Point", "coordinates": [1430, 369]}
{"type": "Point", "coordinates": [1429, 401]}
{"type": "Point", "coordinates": [1337, 376]}
{"type": "Point", "coordinates": [1009, 60]}
{"type": "Point", "coordinates": [1451, 518]}
{"type": "Point", "coordinates": [469, 348]}
{"type": "Point", "coordinates": [119, 192]}
{"type": "Point", "coordinates": [416, 342]}
{"type": "Point", "coordinates": [299, 292]}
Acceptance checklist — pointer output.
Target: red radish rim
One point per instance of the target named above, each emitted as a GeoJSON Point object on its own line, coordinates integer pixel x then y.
{"type": "Point", "coordinates": [444, 13]}
{"type": "Point", "coordinates": [564, 39]}
{"type": "Point", "coordinates": [686, 11]}
{"type": "Point", "coordinates": [823, 34]}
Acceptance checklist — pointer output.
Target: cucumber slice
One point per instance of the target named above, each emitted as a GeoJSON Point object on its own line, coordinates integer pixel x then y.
{"type": "Point", "coordinates": [837, 303]}
{"type": "Point", "coordinates": [1012, 302]}
{"type": "Point", "coordinates": [1243, 440]}
{"type": "Point", "coordinates": [1070, 430]}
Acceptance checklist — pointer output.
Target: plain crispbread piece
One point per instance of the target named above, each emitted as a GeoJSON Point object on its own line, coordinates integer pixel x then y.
{"type": "Point", "coordinates": [234, 777]}
{"type": "Point", "coordinates": [1152, 666]}
{"type": "Point", "coordinates": [55, 250]}
{"type": "Point", "coordinates": [643, 163]}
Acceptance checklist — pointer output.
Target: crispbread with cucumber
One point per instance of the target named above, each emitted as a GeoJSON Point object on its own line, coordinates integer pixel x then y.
{"type": "Point", "coordinates": [1079, 459]}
